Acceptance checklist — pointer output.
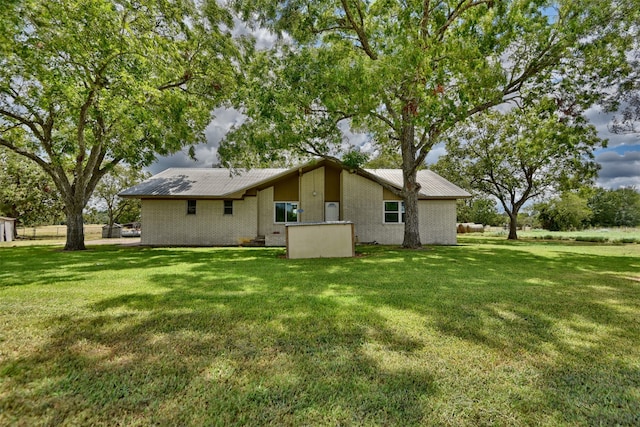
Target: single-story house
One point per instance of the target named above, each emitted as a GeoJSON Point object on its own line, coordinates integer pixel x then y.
{"type": "Point", "coordinates": [210, 207]}
{"type": "Point", "coordinates": [7, 229]}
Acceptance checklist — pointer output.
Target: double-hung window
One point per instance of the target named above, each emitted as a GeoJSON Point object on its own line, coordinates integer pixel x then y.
{"type": "Point", "coordinates": [286, 212]}
{"type": "Point", "coordinates": [228, 207]}
{"type": "Point", "coordinates": [191, 207]}
{"type": "Point", "coordinates": [394, 212]}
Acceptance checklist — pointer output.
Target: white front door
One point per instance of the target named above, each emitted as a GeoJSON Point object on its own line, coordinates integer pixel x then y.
{"type": "Point", "coordinates": [332, 211]}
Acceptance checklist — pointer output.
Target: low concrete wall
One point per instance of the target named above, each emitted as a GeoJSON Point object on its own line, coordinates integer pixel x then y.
{"type": "Point", "coordinates": [320, 240]}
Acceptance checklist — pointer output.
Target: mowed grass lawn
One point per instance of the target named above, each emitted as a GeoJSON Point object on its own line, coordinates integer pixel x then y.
{"type": "Point", "coordinates": [489, 332]}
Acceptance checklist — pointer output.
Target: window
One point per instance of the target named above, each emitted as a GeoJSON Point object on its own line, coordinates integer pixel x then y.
{"type": "Point", "coordinates": [286, 212]}
{"type": "Point", "coordinates": [191, 207]}
{"type": "Point", "coordinates": [228, 207]}
{"type": "Point", "coordinates": [394, 212]}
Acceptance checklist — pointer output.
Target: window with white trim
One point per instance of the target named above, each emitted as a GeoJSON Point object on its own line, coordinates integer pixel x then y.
{"type": "Point", "coordinates": [228, 207]}
{"type": "Point", "coordinates": [286, 212]}
{"type": "Point", "coordinates": [191, 207]}
{"type": "Point", "coordinates": [394, 212]}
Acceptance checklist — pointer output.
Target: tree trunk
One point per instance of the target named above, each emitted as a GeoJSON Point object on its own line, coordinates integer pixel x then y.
{"type": "Point", "coordinates": [513, 226]}
{"type": "Point", "coordinates": [75, 228]}
{"type": "Point", "coordinates": [110, 224]}
{"type": "Point", "coordinates": [412, 223]}
{"type": "Point", "coordinates": [410, 188]}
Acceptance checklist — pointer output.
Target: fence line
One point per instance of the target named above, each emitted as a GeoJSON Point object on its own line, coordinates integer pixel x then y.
{"type": "Point", "coordinates": [53, 231]}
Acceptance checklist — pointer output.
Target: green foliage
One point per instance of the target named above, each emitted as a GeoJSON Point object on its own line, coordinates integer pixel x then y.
{"type": "Point", "coordinates": [614, 208]}
{"type": "Point", "coordinates": [522, 154]}
{"type": "Point", "coordinates": [568, 212]}
{"type": "Point", "coordinates": [26, 192]}
{"type": "Point", "coordinates": [478, 210]}
{"type": "Point", "coordinates": [106, 193]}
{"type": "Point", "coordinates": [86, 85]}
{"type": "Point", "coordinates": [355, 159]}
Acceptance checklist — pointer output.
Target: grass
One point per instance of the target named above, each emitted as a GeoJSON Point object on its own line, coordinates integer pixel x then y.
{"type": "Point", "coordinates": [601, 235]}
{"type": "Point", "coordinates": [486, 333]}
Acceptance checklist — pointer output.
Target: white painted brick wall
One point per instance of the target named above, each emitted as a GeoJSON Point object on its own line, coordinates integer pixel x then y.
{"type": "Point", "coordinates": [274, 234]}
{"type": "Point", "coordinates": [363, 204]}
{"type": "Point", "coordinates": [438, 222]}
{"type": "Point", "coordinates": [165, 222]}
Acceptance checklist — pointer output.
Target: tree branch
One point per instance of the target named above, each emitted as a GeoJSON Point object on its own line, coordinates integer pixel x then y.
{"type": "Point", "coordinates": [362, 37]}
{"type": "Point", "coordinates": [29, 123]}
{"type": "Point", "coordinates": [424, 21]}
{"type": "Point", "coordinates": [459, 10]}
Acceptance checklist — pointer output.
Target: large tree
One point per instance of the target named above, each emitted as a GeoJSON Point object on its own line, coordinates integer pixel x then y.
{"type": "Point", "coordinates": [404, 73]}
{"type": "Point", "coordinates": [27, 192]}
{"type": "Point", "coordinates": [85, 85]}
{"type": "Point", "coordinates": [522, 154]}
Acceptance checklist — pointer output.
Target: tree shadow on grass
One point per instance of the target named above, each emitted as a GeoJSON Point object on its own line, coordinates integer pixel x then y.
{"type": "Point", "coordinates": [575, 316]}
{"type": "Point", "coordinates": [239, 337]}
{"type": "Point", "coordinates": [222, 345]}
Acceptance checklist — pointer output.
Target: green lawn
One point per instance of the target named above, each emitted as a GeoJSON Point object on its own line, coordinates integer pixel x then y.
{"type": "Point", "coordinates": [611, 235]}
{"type": "Point", "coordinates": [486, 333]}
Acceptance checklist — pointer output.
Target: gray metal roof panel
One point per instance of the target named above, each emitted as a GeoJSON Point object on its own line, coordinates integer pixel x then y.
{"type": "Point", "coordinates": [212, 182]}
{"type": "Point", "coordinates": [194, 182]}
{"type": "Point", "coordinates": [432, 185]}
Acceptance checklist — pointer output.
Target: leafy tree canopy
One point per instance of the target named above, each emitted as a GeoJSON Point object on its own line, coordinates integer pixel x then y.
{"type": "Point", "coordinates": [522, 154]}
{"type": "Point", "coordinates": [85, 85]}
{"type": "Point", "coordinates": [106, 193]}
{"type": "Point", "coordinates": [406, 73]}
{"type": "Point", "coordinates": [478, 210]}
{"type": "Point", "coordinates": [567, 212]}
{"type": "Point", "coordinates": [615, 208]}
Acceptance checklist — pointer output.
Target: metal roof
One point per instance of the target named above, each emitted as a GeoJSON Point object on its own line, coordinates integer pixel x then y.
{"type": "Point", "coordinates": [197, 182]}
{"type": "Point", "coordinates": [213, 182]}
{"type": "Point", "coordinates": [432, 185]}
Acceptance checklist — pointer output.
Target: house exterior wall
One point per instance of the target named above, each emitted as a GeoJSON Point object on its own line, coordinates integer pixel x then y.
{"type": "Point", "coordinates": [437, 222]}
{"type": "Point", "coordinates": [312, 204]}
{"type": "Point", "coordinates": [165, 222]}
{"type": "Point", "coordinates": [274, 234]}
{"type": "Point", "coordinates": [362, 204]}
{"type": "Point", "coordinates": [7, 227]}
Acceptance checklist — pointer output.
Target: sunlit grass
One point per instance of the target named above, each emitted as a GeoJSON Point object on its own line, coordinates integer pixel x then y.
{"type": "Point", "coordinates": [597, 235]}
{"type": "Point", "coordinates": [488, 332]}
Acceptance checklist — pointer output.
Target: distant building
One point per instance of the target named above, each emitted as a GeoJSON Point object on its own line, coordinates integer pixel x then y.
{"type": "Point", "coordinates": [7, 229]}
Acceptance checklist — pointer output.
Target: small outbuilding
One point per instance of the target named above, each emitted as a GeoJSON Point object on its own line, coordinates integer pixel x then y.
{"type": "Point", "coordinates": [116, 231]}
{"type": "Point", "coordinates": [7, 229]}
